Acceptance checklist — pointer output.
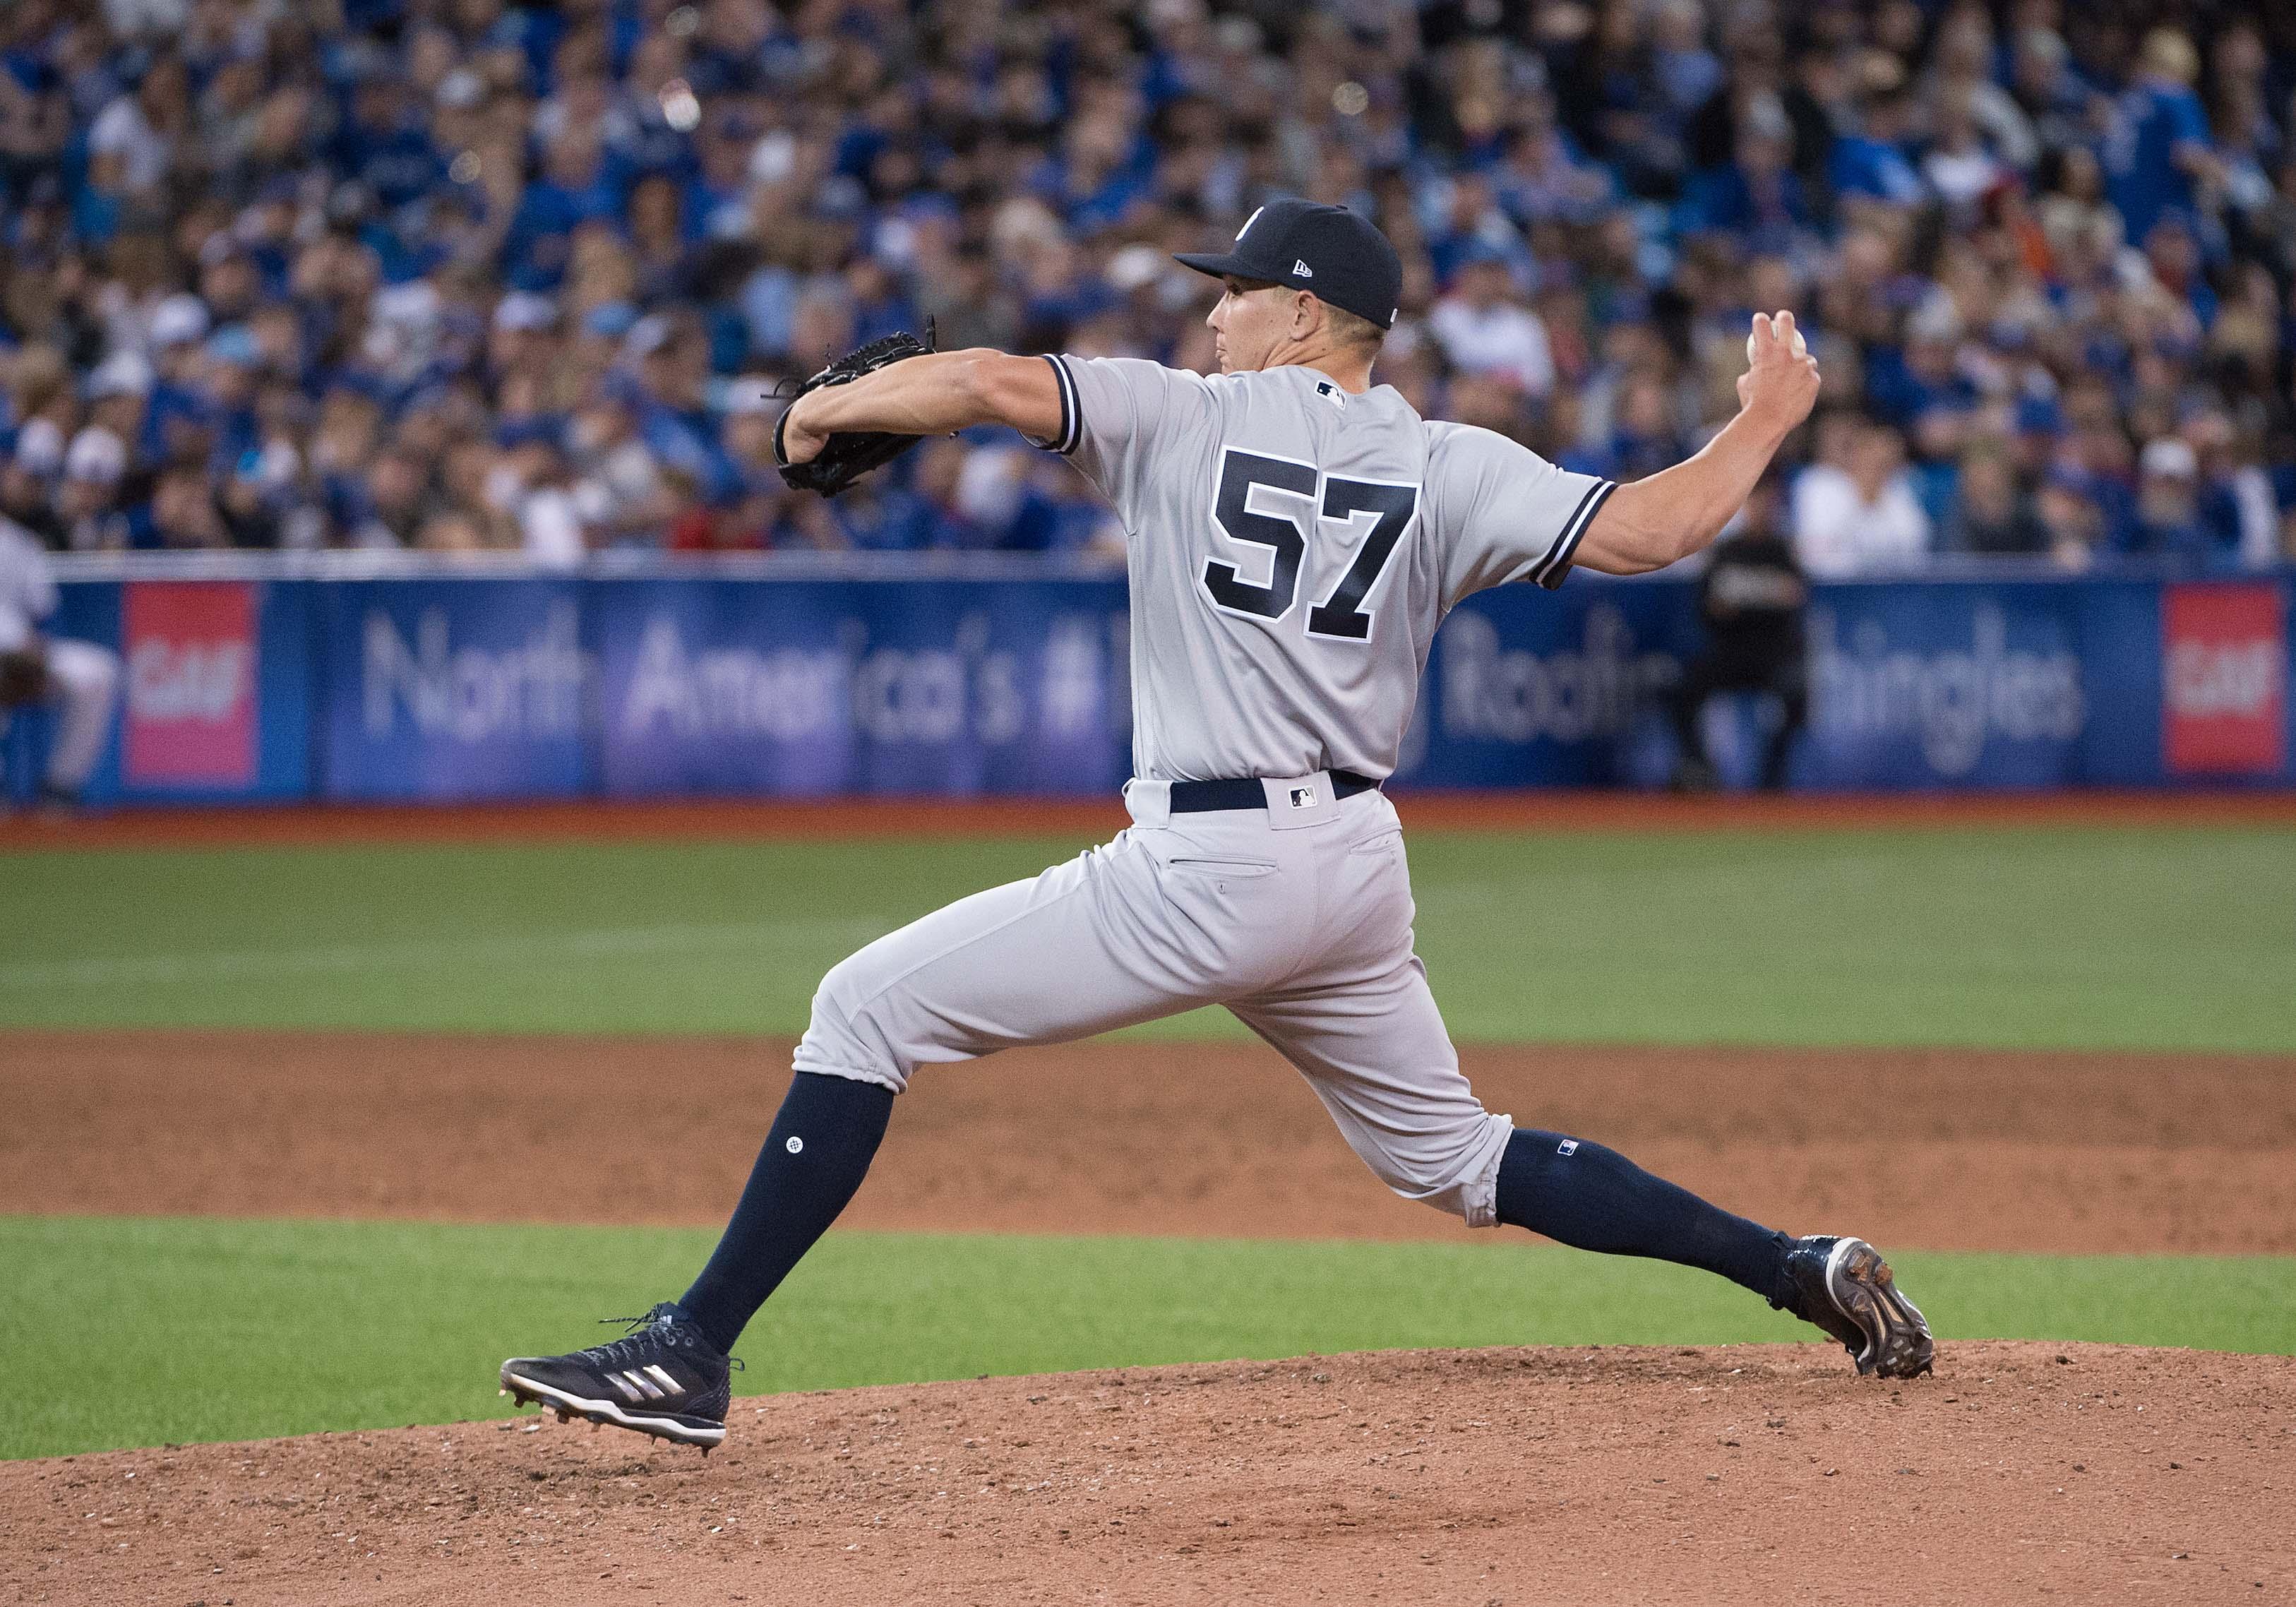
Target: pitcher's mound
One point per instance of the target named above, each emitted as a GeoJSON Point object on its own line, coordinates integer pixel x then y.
{"type": "Point", "coordinates": [1747, 1473]}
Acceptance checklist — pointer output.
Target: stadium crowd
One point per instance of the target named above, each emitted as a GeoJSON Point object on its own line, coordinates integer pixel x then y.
{"type": "Point", "coordinates": [465, 274]}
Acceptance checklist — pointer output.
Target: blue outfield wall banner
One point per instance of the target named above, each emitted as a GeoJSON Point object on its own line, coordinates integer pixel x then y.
{"type": "Point", "coordinates": [1931, 686]}
{"type": "Point", "coordinates": [454, 688]}
{"type": "Point", "coordinates": [662, 683]}
{"type": "Point", "coordinates": [824, 687]}
{"type": "Point", "coordinates": [1947, 687]}
{"type": "Point", "coordinates": [1528, 687]}
{"type": "Point", "coordinates": [218, 688]}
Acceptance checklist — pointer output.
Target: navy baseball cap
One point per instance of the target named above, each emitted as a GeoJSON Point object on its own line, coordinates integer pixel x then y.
{"type": "Point", "coordinates": [1309, 246]}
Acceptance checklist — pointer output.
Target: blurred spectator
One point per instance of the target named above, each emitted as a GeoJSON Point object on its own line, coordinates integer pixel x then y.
{"type": "Point", "coordinates": [1853, 511]}
{"type": "Point", "coordinates": [621, 491]}
{"type": "Point", "coordinates": [2070, 517]}
{"type": "Point", "coordinates": [1751, 599]}
{"type": "Point", "coordinates": [367, 267]}
{"type": "Point", "coordinates": [2157, 149]}
{"type": "Point", "coordinates": [1989, 516]}
{"type": "Point", "coordinates": [1483, 329]}
{"type": "Point", "coordinates": [2168, 502]}
{"type": "Point", "coordinates": [79, 679]}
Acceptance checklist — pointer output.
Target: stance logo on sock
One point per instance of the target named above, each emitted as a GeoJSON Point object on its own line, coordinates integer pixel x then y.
{"type": "Point", "coordinates": [796, 1145]}
{"type": "Point", "coordinates": [1568, 1146]}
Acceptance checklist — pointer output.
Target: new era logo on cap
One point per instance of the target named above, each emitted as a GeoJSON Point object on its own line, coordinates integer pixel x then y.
{"type": "Point", "coordinates": [1302, 269]}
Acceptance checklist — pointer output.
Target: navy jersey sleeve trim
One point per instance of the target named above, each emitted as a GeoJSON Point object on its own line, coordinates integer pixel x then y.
{"type": "Point", "coordinates": [1556, 564]}
{"type": "Point", "coordinates": [1071, 433]}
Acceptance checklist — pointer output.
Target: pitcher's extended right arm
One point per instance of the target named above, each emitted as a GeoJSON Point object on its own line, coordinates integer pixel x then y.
{"type": "Point", "coordinates": [1674, 513]}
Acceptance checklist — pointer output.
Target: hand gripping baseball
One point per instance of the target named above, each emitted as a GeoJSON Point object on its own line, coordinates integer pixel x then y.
{"type": "Point", "coordinates": [847, 455]}
{"type": "Point", "coordinates": [1781, 379]}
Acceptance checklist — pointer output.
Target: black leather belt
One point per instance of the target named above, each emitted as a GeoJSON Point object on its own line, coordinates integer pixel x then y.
{"type": "Point", "coordinates": [1246, 792]}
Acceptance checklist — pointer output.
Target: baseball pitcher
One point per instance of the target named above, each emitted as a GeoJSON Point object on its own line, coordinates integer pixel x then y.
{"type": "Point", "coordinates": [1295, 536]}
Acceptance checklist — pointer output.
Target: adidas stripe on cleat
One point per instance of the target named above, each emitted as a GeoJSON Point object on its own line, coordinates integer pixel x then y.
{"type": "Point", "coordinates": [662, 1378]}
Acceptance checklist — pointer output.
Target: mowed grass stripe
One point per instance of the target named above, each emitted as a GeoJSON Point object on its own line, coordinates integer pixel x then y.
{"type": "Point", "coordinates": [98, 972]}
{"type": "Point", "coordinates": [2151, 938]}
{"type": "Point", "coordinates": [179, 1329]}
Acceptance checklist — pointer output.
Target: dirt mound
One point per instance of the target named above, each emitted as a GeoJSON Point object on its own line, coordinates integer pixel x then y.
{"type": "Point", "coordinates": [1928, 1149]}
{"type": "Point", "coordinates": [1750, 1473]}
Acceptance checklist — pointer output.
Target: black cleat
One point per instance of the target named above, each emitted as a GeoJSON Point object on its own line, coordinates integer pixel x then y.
{"type": "Point", "coordinates": [663, 1377]}
{"type": "Point", "coordinates": [1844, 1286]}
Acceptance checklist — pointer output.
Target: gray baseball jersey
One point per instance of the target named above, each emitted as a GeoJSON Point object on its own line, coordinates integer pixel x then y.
{"type": "Point", "coordinates": [1292, 549]}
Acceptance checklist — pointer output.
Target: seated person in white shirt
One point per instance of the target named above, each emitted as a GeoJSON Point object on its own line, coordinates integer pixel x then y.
{"type": "Point", "coordinates": [1853, 510]}
{"type": "Point", "coordinates": [1483, 328]}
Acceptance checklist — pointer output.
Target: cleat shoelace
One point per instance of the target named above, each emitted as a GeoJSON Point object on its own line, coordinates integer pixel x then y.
{"type": "Point", "coordinates": [655, 1327]}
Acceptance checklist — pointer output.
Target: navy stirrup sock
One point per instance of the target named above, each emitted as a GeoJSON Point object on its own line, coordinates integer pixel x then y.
{"type": "Point", "coordinates": [1592, 1198]}
{"type": "Point", "coordinates": [814, 1158]}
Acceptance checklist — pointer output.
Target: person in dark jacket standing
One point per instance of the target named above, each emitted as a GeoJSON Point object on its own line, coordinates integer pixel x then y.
{"type": "Point", "coordinates": [1751, 599]}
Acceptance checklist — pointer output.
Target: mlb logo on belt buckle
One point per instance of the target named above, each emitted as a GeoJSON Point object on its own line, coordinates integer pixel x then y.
{"type": "Point", "coordinates": [1303, 797]}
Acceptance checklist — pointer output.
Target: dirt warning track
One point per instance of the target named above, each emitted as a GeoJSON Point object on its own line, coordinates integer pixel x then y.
{"type": "Point", "coordinates": [1915, 1148]}
{"type": "Point", "coordinates": [1727, 1475]}
{"type": "Point", "coordinates": [846, 818]}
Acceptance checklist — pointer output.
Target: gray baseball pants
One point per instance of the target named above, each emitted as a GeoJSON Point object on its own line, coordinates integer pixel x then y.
{"type": "Point", "coordinates": [1297, 918]}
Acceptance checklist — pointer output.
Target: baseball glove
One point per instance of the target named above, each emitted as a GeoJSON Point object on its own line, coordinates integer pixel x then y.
{"type": "Point", "coordinates": [849, 454]}
{"type": "Point", "coordinates": [23, 677]}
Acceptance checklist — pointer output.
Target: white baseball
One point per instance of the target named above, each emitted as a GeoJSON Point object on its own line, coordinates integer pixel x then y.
{"type": "Point", "coordinates": [1801, 346]}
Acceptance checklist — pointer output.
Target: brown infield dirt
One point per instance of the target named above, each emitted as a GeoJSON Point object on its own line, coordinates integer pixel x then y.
{"type": "Point", "coordinates": [1739, 1474]}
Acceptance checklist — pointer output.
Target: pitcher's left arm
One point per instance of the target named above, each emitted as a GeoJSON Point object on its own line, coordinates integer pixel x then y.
{"type": "Point", "coordinates": [931, 395]}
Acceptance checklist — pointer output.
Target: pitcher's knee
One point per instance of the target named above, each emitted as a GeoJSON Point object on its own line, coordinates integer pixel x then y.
{"type": "Point", "coordinates": [850, 1033]}
{"type": "Point", "coordinates": [1457, 1172]}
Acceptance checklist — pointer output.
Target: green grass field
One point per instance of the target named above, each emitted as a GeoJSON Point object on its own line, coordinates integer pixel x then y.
{"type": "Point", "coordinates": [2158, 938]}
{"type": "Point", "coordinates": [2103, 938]}
{"type": "Point", "coordinates": [230, 1330]}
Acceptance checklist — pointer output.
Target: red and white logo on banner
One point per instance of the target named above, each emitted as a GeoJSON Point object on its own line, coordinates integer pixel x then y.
{"type": "Point", "coordinates": [2225, 667]}
{"type": "Point", "coordinates": [191, 683]}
